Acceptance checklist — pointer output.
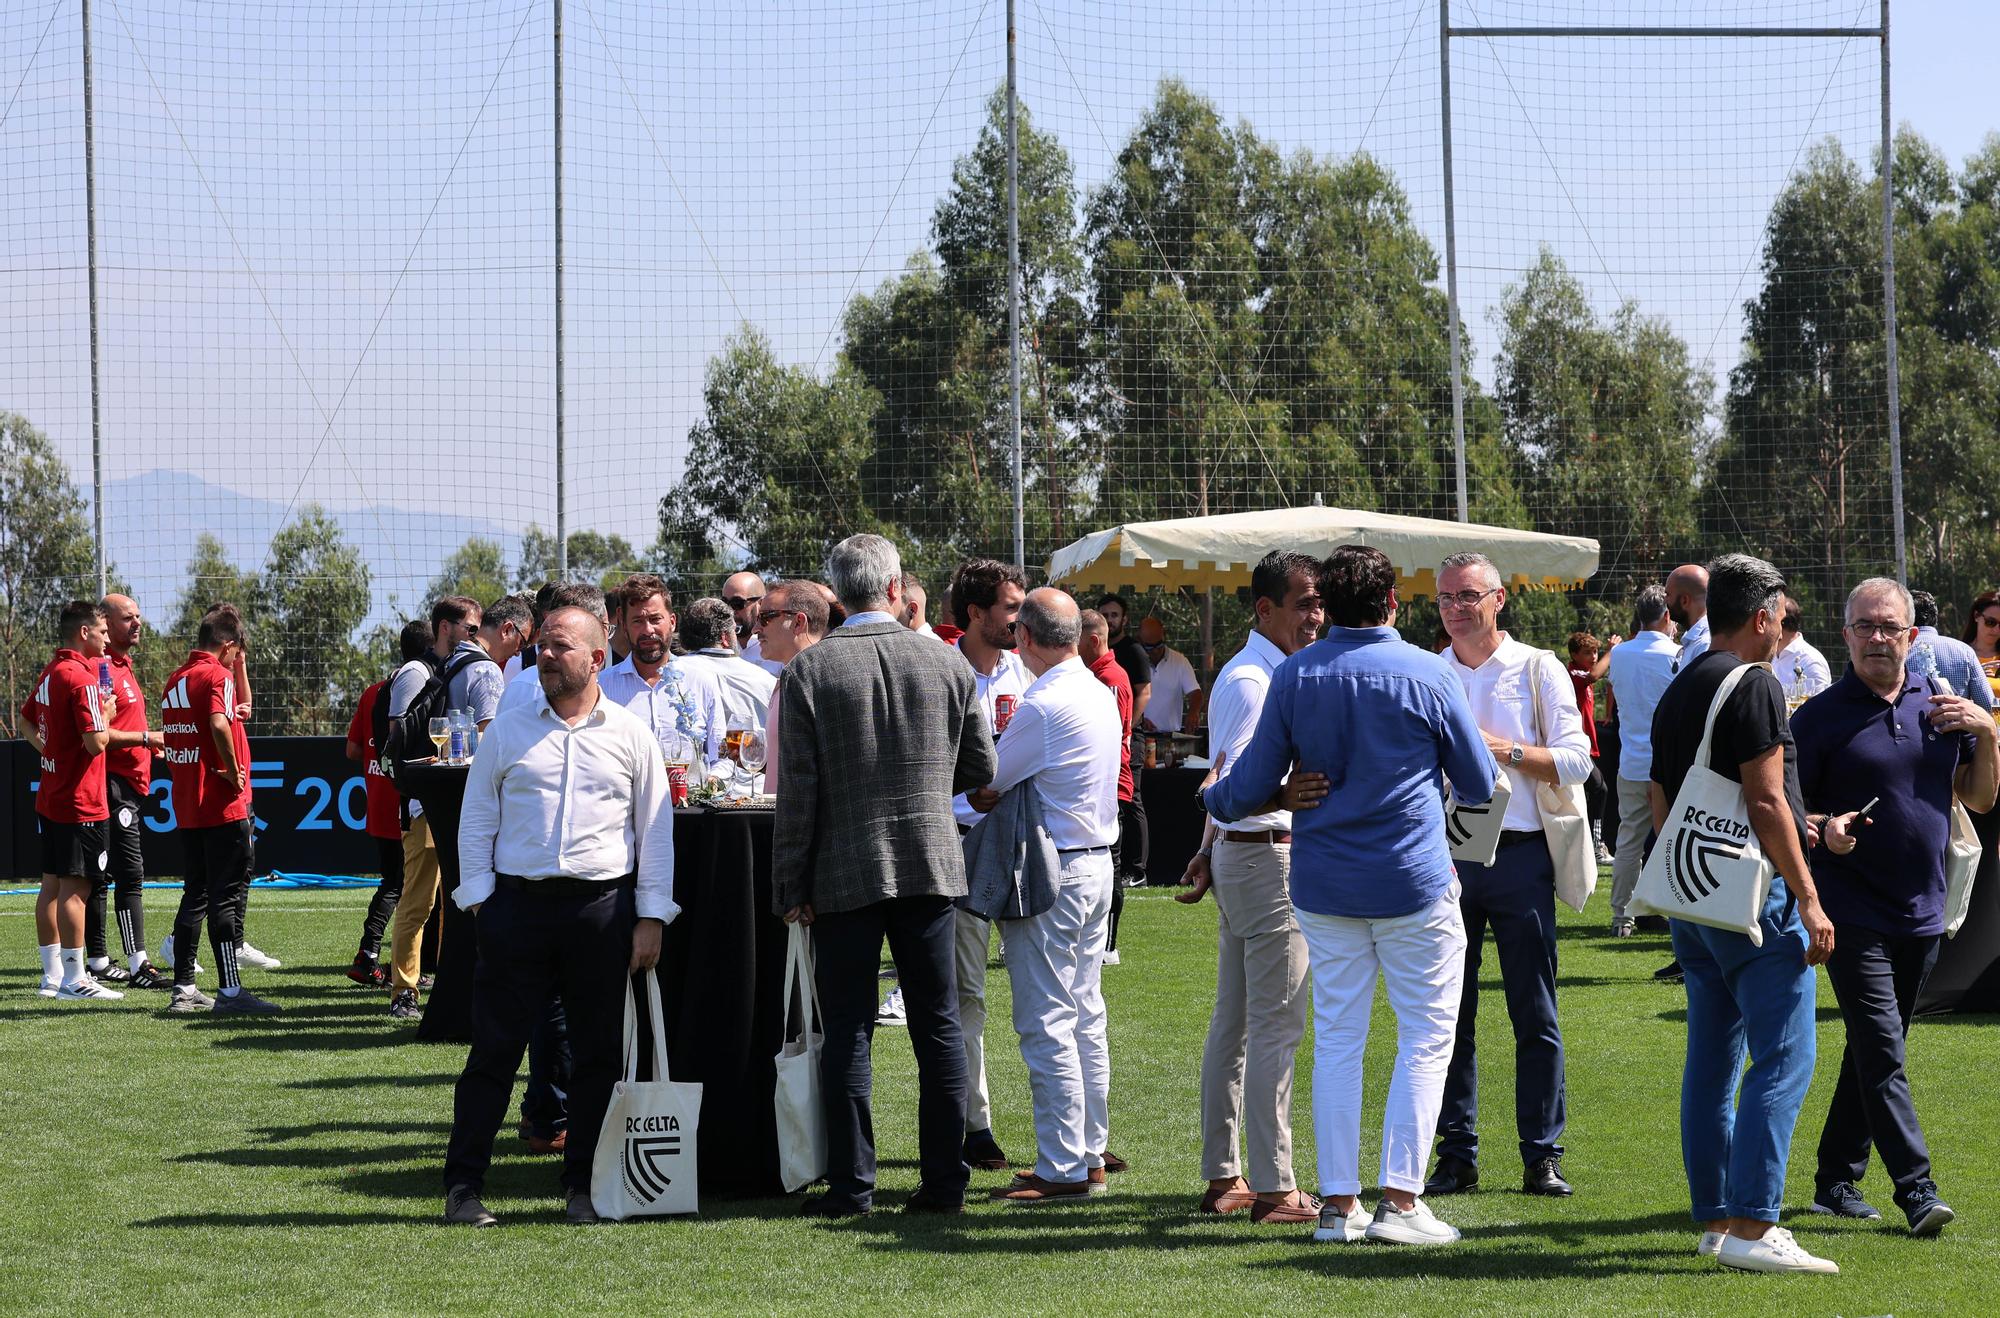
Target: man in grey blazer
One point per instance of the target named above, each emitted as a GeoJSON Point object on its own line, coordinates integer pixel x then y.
{"type": "Point", "coordinates": [881, 729]}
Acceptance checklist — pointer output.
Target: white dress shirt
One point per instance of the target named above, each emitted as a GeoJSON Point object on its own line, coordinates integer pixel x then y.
{"type": "Point", "coordinates": [680, 701]}
{"type": "Point", "coordinates": [1694, 643]}
{"type": "Point", "coordinates": [1501, 692]}
{"type": "Point", "coordinates": [1641, 670]}
{"type": "Point", "coordinates": [1233, 710]}
{"type": "Point", "coordinates": [753, 651]}
{"type": "Point", "coordinates": [1065, 736]}
{"type": "Point", "coordinates": [1800, 664]}
{"type": "Point", "coordinates": [1010, 677]}
{"type": "Point", "coordinates": [547, 800]}
{"type": "Point", "coordinates": [745, 688]}
{"type": "Point", "coordinates": [522, 688]}
{"type": "Point", "coordinates": [1173, 682]}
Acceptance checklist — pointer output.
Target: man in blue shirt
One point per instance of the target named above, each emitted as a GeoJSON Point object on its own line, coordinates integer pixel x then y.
{"type": "Point", "coordinates": [1641, 670]}
{"type": "Point", "coordinates": [1371, 879]}
{"type": "Point", "coordinates": [1883, 735]}
{"type": "Point", "coordinates": [1952, 659]}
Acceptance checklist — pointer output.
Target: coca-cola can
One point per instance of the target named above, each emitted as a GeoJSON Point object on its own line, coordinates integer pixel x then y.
{"type": "Point", "coordinates": [1003, 711]}
{"type": "Point", "coordinates": [677, 783]}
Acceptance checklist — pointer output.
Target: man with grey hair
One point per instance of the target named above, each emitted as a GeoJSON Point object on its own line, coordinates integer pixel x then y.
{"type": "Point", "coordinates": [1879, 798]}
{"type": "Point", "coordinates": [1745, 997]}
{"type": "Point", "coordinates": [708, 633]}
{"type": "Point", "coordinates": [879, 729]}
{"type": "Point", "coordinates": [1064, 738]}
{"type": "Point", "coordinates": [1526, 709]}
{"type": "Point", "coordinates": [1640, 672]}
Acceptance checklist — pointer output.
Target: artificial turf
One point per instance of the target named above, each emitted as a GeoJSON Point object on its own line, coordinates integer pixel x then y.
{"type": "Point", "coordinates": [170, 1165]}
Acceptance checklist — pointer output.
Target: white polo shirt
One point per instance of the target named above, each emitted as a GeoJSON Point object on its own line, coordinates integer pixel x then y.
{"type": "Point", "coordinates": [745, 688]}
{"type": "Point", "coordinates": [1010, 677]}
{"type": "Point", "coordinates": [1233, 710]}
{"type": "Point", "coordinates": [1501, 692]}
{"type": "Point", "coordinates": [1065, 736]}
{"type": "Point", "coordinates": [1173, 682]}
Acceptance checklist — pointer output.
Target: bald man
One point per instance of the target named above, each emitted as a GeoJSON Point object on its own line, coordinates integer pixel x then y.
{"type": "Point", "coordinates": [1687, 605]}
{"type": "Point", "coordinates": [744, 593]}
{"type": "Point", "coordinates": [128, 779]}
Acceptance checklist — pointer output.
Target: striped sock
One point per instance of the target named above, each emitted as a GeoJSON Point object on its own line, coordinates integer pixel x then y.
{"type": "Point", "coordinates": [225, 955]}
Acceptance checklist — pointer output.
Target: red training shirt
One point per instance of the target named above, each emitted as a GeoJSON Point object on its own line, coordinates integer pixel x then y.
{"type": "Point", "coordinates": [132, 763]}
{"type": "Point", "coordinates": [203, 796]}
{"type": "Point", "coordinates": [385, 803]}
{"type": "Point", "coordinates": [1586, 704]}
{"type": "Point", "coordinates": [64, 706]}
{"type": "Point", "coordinates": [1109, 671]}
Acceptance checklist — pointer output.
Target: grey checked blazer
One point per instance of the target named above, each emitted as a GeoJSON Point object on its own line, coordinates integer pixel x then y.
{"type": "Point", "coordinates": [878, 728]}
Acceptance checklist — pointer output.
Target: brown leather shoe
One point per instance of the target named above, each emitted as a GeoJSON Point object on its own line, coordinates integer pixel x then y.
{"type": "Point", "coordinates": [1095, 1180]}
{"type": "Point", "coordinates": [536, 1144]}
{"type": "Point", "coordinates": [1032, 1189]}
{"type": "Point", "coordinates": [1296, 1207]}
{"type": "Point", "coordinates": [1114, 1164]}
{"type": "Point", "coordinates": [1232, 1197]}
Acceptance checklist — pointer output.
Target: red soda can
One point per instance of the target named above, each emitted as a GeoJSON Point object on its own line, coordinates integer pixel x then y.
{"type": "Point", "coordinates": [677, 783]}
{"type": "Point", "coordinates": [1003, 711]}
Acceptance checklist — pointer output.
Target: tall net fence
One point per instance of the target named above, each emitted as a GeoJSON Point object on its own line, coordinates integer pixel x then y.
{"type": "Point", "coordinates": [329, 324]}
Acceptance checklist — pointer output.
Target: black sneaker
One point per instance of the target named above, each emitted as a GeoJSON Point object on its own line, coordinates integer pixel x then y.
{"type": "Point", "coordinates": [403, 1006]}
{"type": "Point", "coordinates": [112, 974]}
{"type": "Point", "coordinates": [1670, 973]}
{"type": "Point", "coordinates": [1928, 1214]}
{"type": "Point", "coordinates": [1841, 1199]}
{"type": "Point", "coordinates": [243, 1003]}
{"type": "Point", "coordinates": [150, 976]}
{"type": "Point", "coordinates": [367, 972]}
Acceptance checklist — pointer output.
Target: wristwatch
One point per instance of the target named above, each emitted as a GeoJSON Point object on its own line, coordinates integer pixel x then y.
{"type": "Point", "coordinates": [1515, 754]}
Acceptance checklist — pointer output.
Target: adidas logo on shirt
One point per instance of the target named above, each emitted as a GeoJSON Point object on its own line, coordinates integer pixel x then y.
{"type": "Point", "coordinates": [177, 696]}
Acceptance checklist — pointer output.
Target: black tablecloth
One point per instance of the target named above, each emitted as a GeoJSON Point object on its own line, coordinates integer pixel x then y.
{"type": "Point", "coordinates": [448, 1008]}
{"type": "Point", "coordinates": [1967, 974]}
{"type": "Point", "coordinates": [1173, 821]}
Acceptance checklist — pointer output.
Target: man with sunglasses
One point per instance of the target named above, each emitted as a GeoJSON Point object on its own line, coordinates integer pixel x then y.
{"type": "Point", "coordinates": [790, 619]}
{"type": "Point", "coordinates": [1525, 706]}
{"type": "Point", "coordinates": [1800, 668]}
{"type": "Point", "coordinates": [744, 593]}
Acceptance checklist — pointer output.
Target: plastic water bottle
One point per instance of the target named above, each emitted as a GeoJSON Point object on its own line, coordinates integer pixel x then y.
{"type": "Point", "coordinates": [455, 720]}
{"type": "Point", "coordinates": [104, 676]}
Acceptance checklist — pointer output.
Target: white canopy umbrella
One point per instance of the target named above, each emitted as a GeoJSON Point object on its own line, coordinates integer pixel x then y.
{"type": "Point", "coordinates": [1220, 551]}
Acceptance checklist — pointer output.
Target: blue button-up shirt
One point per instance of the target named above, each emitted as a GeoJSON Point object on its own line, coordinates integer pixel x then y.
{"type": "Point", "coordinates": [1381, 719]}
{"type": "Point", "coordinates": [1957, 663]}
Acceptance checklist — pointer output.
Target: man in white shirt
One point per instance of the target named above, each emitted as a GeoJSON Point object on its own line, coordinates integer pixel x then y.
{"type": "Point", "coordinates": [1800, 668]}
{"type": "Point", "coordinates": [791, 620]}
{"type": "Point", "coordinates": [1260, 991]}
{"type": "Point", "coordinates": [1175, 687]}
{"type": "Point", "coordinates": [986, 597]}
{"type": "Point", "coordinates": [665, 696]}
{"type": "Point", "coordinates": [1641, 669]}
{"type": "Point", "coordinates": [567, 847]}
{"type": "Point", "coordinates": [744, 593]}
{"type": "Point", "coordinates": [915, 601]}
{"type": "Point", "coordinates": [1065, 737]}
{"type": "Point", "coordinates": [1525, 706]}
{"type": "Point", "coordinates": [525, 684]}
{"type": "Point", "coordinates": [1687, 605]}
{"type": "Point", "coordinates": [709, 640]}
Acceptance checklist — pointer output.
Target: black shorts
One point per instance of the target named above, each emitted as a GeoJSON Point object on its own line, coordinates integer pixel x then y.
{"type": "Point", "coordinates": [128, 809]}
{"type": "Point", "coordinates": [74, 851]}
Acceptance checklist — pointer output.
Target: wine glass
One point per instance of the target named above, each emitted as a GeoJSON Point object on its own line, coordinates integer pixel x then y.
{"type": "Point", "coordinates": [751, 754]}
{"type": "Point", "coordinates": [440, 734]}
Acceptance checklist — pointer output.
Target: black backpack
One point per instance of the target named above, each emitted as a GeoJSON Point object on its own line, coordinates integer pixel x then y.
{"type": "Point", "coordinates": [402, 738]}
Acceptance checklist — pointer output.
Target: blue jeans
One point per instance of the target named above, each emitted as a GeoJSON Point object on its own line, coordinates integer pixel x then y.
{"type": "Point", "coordinates": [1760, 999]}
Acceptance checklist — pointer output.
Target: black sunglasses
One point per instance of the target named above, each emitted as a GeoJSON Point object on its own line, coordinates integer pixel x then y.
{"type": "Point", "coordinates": [739, 603]}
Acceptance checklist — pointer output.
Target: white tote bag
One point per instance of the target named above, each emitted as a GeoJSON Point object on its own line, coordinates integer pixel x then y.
{"type": "Point", "coordinates": [801, 1119]}
{"type": "Point", "coordinates": [645, 1162]}
{"type": "Point", "coordinates": [1961, 849]}
{"type": "Point", "coordinates": [1707, 866]}
{"type": "Point", "coordinates": [1565, 821]}
{"type": "Point", "coordinates": [1474, 830]}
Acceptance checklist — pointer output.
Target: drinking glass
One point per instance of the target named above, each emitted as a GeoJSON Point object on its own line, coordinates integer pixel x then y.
{"type": "Point", "coordinates": [440, 734]}
{"type": "Point", "coordinates": [752, 755]}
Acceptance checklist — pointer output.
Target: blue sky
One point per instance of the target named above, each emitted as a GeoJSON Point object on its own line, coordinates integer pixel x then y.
{"type": "Point", "coordinates": [325, 229]}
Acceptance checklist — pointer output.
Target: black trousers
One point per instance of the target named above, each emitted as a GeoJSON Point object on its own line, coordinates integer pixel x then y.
{"type": "Point", "coordinates": [847, 951]}
{"type": "Point", "coordinates": [215, 882]}
{"type": "Point", "coordinates": [127, 873]}
{"type": "Point", "coordinates": [534, 945]}
{"type": "Point", "coordinates": [1876, 978]}
{"type": "Point", "coordinates": [1595, 789]}
{"type": "Point", "coordinates": [389, 858]}
{"type": "Point", "coordinates": [1134, 841]}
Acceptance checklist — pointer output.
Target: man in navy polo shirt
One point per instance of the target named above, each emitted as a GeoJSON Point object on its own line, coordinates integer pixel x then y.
{"type": "Point", "coordinates": [1882, 734]}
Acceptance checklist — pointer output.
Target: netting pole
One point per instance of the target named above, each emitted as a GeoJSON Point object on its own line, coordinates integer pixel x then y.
{"type": "Point", "coordinates": [1014, 297]}
{"type": "Point", "coordinates": [1451, 263]}
{"type": "Point", "coordinates": [1889, 309]}
{"type": "Point", "coordinates": [562, 488]}
{"type": "Point", "coordinates": [90, 240]}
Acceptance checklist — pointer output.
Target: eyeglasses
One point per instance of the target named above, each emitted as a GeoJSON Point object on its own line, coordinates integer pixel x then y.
{"type": "Point", "coordinates": [740, 603]}
{"type": "Point", "coordinates": [1877, 631]}
{"type": "Point", "coordinates": [765, 615]}
{"type": "Point", "coordinates": [1464, 599]}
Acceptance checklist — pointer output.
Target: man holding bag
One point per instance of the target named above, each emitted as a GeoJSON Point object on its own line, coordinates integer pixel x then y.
{"type": "Point", "coordinates": [1744, 994]}
{"type": "Point", "coordinates": [1526, 708]}
{"type": "Point", "coordinates": [1881, 740]}
{"type": "Point", "coordinates": [566, 847]}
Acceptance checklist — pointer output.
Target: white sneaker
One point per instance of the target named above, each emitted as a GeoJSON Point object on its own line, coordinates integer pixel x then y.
{"type": "Point", "coordinates": [1711, 1244]}
{"type": "Point", "coordinates": [1622, 927]}
{"type": "Point", "coordinates": [1419, 1226]}
{"type": "Point", "coordinates": [88, 990]}
{"type": "Point", "coordinates": [1776, 1252]}
{"type": "Point", "coordinates": [1333, 1226]}
{"type": "Point", "coordinates": [892, 1009]}
{"type": "Point", "coordinates": [250, 956]}
{"type": "Point", "coordinates": [166, 957]}
{"type": "Point", "coordinates": [1110, 958]}
{"type": "Point", "coordinates": [49, 987]}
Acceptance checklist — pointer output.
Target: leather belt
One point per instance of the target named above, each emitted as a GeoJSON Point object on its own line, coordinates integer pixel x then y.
{"type": "Point", "coordinates": [1083, 851]}
{"type": "Point", "coordinates": [561, 885]}
{"type": "Point", "coordinates": [1515, 837]}
{"type": "Point", "coordinates": [1269, 837]}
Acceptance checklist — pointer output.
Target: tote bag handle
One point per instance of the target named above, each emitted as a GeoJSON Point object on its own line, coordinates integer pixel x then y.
{"type": "Point", "coordinates": [632, 1030]}
{"type": "Point", "coordinates": [799, 966]}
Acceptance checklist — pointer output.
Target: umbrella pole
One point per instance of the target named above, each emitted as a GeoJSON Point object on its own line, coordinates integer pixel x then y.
{"type": "Point", "coordinates": [1208, 630]}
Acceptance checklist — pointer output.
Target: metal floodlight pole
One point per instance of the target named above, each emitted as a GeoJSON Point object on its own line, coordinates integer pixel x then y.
{"type": "Point", "coordinates": [562, 487]}
{"type": "Point", "coordinates": [1451, 264]}
{"type": "Point", "coordinates": [1895, 399]}
{"type": "Point", "coordinates": [1014, 297]}
{"type": "Point", "coordinates": [90, 240]}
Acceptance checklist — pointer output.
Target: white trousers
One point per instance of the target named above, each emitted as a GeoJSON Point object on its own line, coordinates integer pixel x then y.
{"type": "Point", "coordinates": [974, 936]}
{"type": "Point", "coordinates": [1054, 963]}
{"type": "Point", "coordinates": [1421, 957]}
